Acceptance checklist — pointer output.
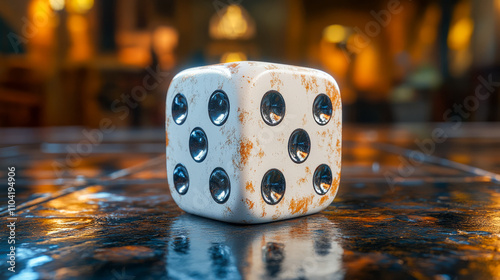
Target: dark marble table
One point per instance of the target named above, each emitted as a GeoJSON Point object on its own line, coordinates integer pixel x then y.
{"type": "Point", "coordinates": [410, 206]}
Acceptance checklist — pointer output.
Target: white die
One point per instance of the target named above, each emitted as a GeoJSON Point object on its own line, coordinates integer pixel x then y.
{"type": "Point", "coordinates": [235, 153]}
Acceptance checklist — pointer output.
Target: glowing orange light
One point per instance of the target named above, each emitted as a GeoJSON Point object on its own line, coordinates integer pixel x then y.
{"type": "Point", "coordinates": [233, 57]}
{"type": "Point", "coordinates": [365, 69]}
{"type": "Point", "coordinates": [41, 42]}
{"type": "Point", "coordinates": [135, 55]}
{"type": "Point", "coordinates": [56, 5]}
{"type": "Point", "coordinates": [135, 47]}
{"type": "Point", "coordinates": [78, 28]}
{"type": "Point", "coordinates": [80, 6]}
{"type": "Point", "coordinates": [334, 33]}
{"type": "Point", "coordinates": [164, 41]}
{"type": "Point", "coordinates": [235, 23]}
{"type": "Point", "coordinates": [460, 34]}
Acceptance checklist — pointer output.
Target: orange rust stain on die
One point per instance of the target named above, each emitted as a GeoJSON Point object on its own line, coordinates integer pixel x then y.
{"type": "Point", "coordinates": [233, 67]}
{"type": "Point", "coordinates": [322, 134]}
{"type": "Point", "coordinates": [323, 199]}
{"type": "Point", "coordinates": [335, 185]}
{"type": "Point", "coordinates": [271, 66]}
{"type": "Point", "coordinates": [249, 187]}
{"type": "Point", "coordinates": [304, 82]}
{"type": "Point", "coordinates": [275, 81]}
{"type": "Point", "coordinates": [249, 203]}
{"type": "Point", "coordinates": [308, 171]}
{"type": "Point", "coordinates": [301, 181]}
{"type": "Point", "coordinates": [337, 104]}
{"type": "Point", "coordinates": [229, 209]}
{"type": "Point", "coordinates": [245, 150]}
{"type": "Point", "coordinates": [334, 147]}
{"type": "Point", "coordinates": [166, 139]}
{"type": "Point", "coordinates": [310, 83]}
{"type": "Point", "coordinates": [186, 77]}
{"type": "Point", "coordinates": [314, 83]}
{"type": "Point", "coordinates": [332, 92]}
{"type": "Point", "coordinates": [261, 153]}
{"type": "Point", "coordinates": [263, 207]}
{"type": "Point", "coordinates": [300, 205]}
{"type": "Point", "coordinates": [338, 148]}
{"type": "Point", "coordinates": [242, 115]}
{"type": "Point", "coordinates": [333, 189]}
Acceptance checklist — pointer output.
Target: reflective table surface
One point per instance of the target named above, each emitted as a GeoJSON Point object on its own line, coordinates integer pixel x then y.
{"type": "Point", "coordinates": [415, 202]}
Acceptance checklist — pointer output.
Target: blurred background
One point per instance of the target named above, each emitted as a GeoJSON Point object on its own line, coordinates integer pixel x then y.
{"type": "Point", "coordinates": [77, 62]}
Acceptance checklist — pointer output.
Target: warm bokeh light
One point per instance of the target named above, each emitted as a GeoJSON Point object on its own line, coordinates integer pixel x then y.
{"type": "Point", "coordinates": [427, 33]}
{"type": "Point", "coordinates": [80, 47]}
{"type": "Point", "coordinates": [80, 6]}
{"type": "Point", "coordinates": [165, 39]}
{"type": "Point", "coordinates": [356, 43]}
{"type": "Point", "coordinates": [234, 23]}
{"type": "Point", "coordinates": [134, 48]}
{"type": "Point", "coordinates": [336, 61]}
{"type": "Point", "coordinates": [367, 74]}
{"type": "Point", "coordinates": [430, 24]}
{"type": "Point", "coordinates": [56, 5]}
{"type": "Point", "coordinates": [41, 44]}
{"type": "Point", "coordinates": [334, 33]}
{"type": "Point", "coordinates": [233, 57]}
{"type": "Point", "coordinates": [137, 56]}
{"type": "Point", "coordinates": [460, 34]}
{"type": "Point", "coordinates": [460, 39]}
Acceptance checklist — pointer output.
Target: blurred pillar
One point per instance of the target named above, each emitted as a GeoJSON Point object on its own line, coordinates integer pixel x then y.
{"type": "Point", "coordinates": [447, 8]}
{"type": "Point", "coordinates": [185, 27]}
{"type": "Point", "coordinates": [294, 36]}
{"type": "Point", "coordinates": [107, 21]}
{"type": "Point", "coordinates": [485, 35]}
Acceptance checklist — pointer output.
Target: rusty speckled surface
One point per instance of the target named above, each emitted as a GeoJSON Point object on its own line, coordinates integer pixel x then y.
{"type": "Point", "coordinates": [397, 216]}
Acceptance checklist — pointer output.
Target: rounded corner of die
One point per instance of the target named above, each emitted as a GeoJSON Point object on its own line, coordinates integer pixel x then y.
{"type": "Point", "coordinates": [173, 89]}
{"type": "Point", "coordinates": [332, 82]}
{"type": "Point", "coordinates": [324, 202]}
{"type": "Point", "coordinates": [176, 79]}
{"type": "Point", "coordinates": [327, 76]}
{"type": "Point", "coordinates": [176, 198]}
{"type": "Point", "coordinates": [186, 75]}
{"type": "Point", "coordinates": [322, 207]}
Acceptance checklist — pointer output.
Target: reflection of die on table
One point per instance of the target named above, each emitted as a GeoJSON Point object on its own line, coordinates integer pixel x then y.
{"type": "Point", "coordinates": [300, 249]}
{"type": "Point", "coordinates": [253, 142]}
